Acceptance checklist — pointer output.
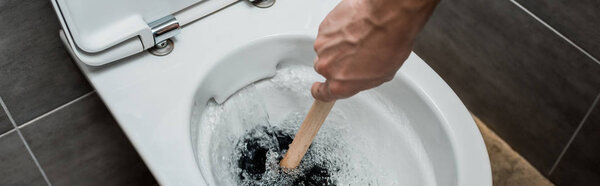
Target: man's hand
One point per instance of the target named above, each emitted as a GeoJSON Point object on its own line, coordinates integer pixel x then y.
{"type": "Point", "coordinates": [362, 43]}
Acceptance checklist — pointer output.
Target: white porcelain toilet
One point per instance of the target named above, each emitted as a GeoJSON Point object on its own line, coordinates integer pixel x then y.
{"type": "Point", "coordinates": [221, 46]}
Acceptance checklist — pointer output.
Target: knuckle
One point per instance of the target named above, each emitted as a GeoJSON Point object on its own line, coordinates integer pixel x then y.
{"type": "Point", "coordinates": [323, 25]}
{"type": "Point", "coordinates": [319, 42]}
{"type": "Point", "coordinates": [315, 91]}
{"type": "Point", "coordinates": [316, 46]}
{"type": "Point", "coordinates": [321, 67]}
{"type": "Point", "coordinates": [318, 96]}
{"type": "Point", "coordinates": [314, 88]}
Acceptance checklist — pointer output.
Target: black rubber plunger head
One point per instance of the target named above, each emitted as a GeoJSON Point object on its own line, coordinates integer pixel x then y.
{"type": "Point", "coordinates": [254, 148]}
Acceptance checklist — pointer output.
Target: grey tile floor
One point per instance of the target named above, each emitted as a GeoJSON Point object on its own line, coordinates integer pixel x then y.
{"type": "Point", "coordinates": [580, 164]}
{"type": "Point", "coordinates": [16, 166]}
{"type": "Point", "coordinates": [530, 85]}
{"type": "Point", "coordinates": [577, 20]}
{"type": "Point", "coordinates": [36, 72]}
{"type": "Point", "coordinates": [5, 124]}
{"type": "Point", "coordinates": [81, 144]}
{"type": "Point", "coordinates": [78, 143]}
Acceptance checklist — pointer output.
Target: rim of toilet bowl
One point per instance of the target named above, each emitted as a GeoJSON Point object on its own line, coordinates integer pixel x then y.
{"type": "Point", "coordinates": [471, 156]}
{"type": "Point", "coordinates": [472, 162]}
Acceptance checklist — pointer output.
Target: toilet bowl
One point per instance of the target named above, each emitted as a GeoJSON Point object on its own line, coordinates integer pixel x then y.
{"type": "Point", "coordinates": [160, 101]}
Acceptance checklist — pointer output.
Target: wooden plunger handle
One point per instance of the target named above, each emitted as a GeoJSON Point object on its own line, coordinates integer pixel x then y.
{"type": "Point", "coordinates": [307, 132]}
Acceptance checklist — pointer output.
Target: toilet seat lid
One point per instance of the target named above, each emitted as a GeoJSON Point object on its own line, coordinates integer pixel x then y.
{"type": "Point", "coordinates": [97, 25]}
{"type": "Point", "coordinates": [103, 31]}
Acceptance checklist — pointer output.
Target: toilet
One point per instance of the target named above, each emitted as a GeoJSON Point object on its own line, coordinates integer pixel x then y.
{"type": "Point", "coordinates": [156, 64]}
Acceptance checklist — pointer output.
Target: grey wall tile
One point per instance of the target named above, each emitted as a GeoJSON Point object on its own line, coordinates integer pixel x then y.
{"type": "Point", "coordinates": [578, 20]}
{"type": "Point", "coordinates": [529, 85]}
{"type": "Point", "coordinates": [581, 163]}
{"type": "Point", "coordinates": [82, 144]}
{"type": "Point", "coordinates": [16, 165]}
{"type": "Point", "coordinates": [5, 124]}
{"type": "Point", "coordinates": [36, 73]}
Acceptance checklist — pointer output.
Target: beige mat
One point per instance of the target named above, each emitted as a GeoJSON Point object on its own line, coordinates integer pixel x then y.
{"type": "Point", "coordinates": [508, 167]}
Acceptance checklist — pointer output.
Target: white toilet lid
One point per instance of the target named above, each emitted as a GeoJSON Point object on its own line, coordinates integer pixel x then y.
{"type": "Point", "coordinates": [102, 31]}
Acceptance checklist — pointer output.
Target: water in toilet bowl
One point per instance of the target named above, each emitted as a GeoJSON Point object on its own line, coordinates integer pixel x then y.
{"type": "Point", "coordinates": [362, 142]}
{"type": "Point", "coordinates": [258, 154]}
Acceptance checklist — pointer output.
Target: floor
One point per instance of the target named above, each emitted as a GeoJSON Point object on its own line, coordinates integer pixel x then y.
{"type": "Point", "coordinates": [508, 167]}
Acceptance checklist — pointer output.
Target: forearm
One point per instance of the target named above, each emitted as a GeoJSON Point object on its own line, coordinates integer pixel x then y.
{"type": "Point", "coordinates": [404, 16]}
{"type": "Point", "coordinates": [362, 43]}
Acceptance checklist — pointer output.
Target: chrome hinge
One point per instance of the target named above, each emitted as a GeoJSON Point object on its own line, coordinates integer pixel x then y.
{"type": "Point", "coordinates": [164, 28]}
{"type": "Point", "coordinates": [262, 3]}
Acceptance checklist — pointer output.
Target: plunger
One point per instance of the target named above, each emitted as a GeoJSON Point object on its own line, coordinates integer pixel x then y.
{"type": "Point", "coordinates": [307, 132]}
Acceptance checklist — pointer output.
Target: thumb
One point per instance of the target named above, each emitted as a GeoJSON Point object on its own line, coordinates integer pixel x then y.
{"type": "Point", "coordinates": [321, 91]}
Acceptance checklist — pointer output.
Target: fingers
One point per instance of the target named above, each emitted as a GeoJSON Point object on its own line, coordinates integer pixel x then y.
{"type": "Point", "coordinates": [333, 90]}
{"type": "Point", "coordinates": [321, 91]}
{"type": "Point", "coordinates": [321, 68]}
{"type": "Point", "coordinates": [340, 89]}
{"type": "Point", "coordinates": [331, 56]}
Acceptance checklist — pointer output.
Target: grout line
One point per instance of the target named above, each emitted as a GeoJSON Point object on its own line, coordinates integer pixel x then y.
{"type": "Point", "coordinates": [56, 109]}
{"type": "Point", "coordinates": [556, 31]}
{"type": "Point", "coordinates": [595, 100]}
{"type": "Point", "coordinates": [2, 109]}
{"type": "Point", "coordinates": [37, 163]}
{"type": "Point", "coordinates": [7, 132]}
{"type": "Point", "coordinates": [587, 114]}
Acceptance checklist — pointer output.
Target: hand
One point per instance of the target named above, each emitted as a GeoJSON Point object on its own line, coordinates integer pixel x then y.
{"type": "Point", "coordinates": [362, 44]}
